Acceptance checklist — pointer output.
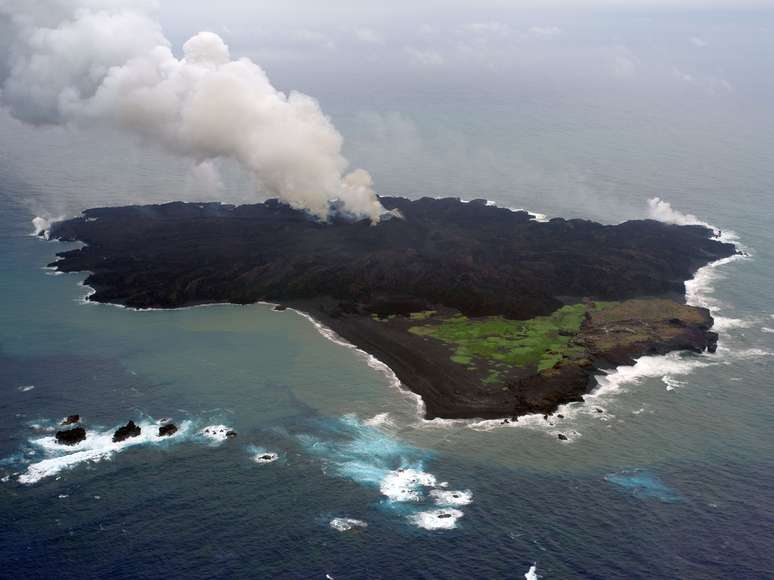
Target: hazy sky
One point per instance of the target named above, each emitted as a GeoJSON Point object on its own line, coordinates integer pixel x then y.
{"type": "Point", "coordinates": [711, 47]}
{"type": "Point", "coordinates": [557, 99]}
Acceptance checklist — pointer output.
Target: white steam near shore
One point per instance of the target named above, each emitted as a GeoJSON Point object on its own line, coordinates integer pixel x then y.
{"type": "Point", "coordinates": [108, 63]}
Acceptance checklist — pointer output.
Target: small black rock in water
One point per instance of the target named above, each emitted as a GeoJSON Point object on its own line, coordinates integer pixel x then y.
{"type": "Point", "coordinates": [71, 436]}
{"type": "Point", "coordinates": [280, 307]}
{"type": "Point", "coordinates": [125, 432]}
{"type": "Point", "coordinates": [559, 416]}
{"type": "Point", "coordinates": [562, 437]}
{"type": "Point", "coordinates": [71, 420]}
{"type": "Point", "coordinates": [444, 516]}
{"type": "Point", "coordinates": [167, 430]}
{"type": "Point", "coordinates": [231, 434]}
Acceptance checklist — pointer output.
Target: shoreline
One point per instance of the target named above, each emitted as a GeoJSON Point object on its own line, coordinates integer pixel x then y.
{"type": "Point", "coordinates": [376, 348]}
{"type": "Point", "coordinates": [567, 409]}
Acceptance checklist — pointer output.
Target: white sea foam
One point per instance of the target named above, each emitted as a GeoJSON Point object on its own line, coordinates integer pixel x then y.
{"type": "Point", "coordinates": [532, 573]}
{"type": "Point", "coordinates": [380, 420]}
{"type": "Point", "coordinates": [346, 524]}
{"type": "Point", "coordinates": [767, 330]}
{"type": "Point", "coordinates": [54, 465]}
{"type": "Point", "coordinates": [608, 385]}
{"type": "Point", "coordinates": [674, 363]}
{"type": "Point", "coordinates": [96, 447]}
{"type": "Point", "coordinates": [404, 485]}
{"type": "Point", "coordinates": [42, 225]}
{"type": "Point", "coordinates": [671, 383]}
{"type": "Point", "coordinates": [699, 290]}
{"type": "Point", "coordinates": [732, 355]}
{"type": "Point", "coordinates": [535, 216]}
{"type": "Point", "coordinates": [216, 433]}
{"type": "Point", "coordinates": [440, 519]}
{"type": "Point", "coordinates": [25, 388]}
{"type": "Point", "coordinates": [265, 457]}
{"type": "Point", "coordinates": [440, 423]}
{"type": "Point", "coordinates": [452, 498]}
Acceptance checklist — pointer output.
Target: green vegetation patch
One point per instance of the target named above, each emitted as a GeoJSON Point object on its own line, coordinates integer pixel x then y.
{"type": "Point", "coordinates": [542, 341]}
{"type": "Point", "coordinates": [422, 315]}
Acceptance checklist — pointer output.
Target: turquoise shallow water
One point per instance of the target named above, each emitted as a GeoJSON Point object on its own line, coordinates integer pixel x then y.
{"type": "Point", "coordinates": [671, 480]}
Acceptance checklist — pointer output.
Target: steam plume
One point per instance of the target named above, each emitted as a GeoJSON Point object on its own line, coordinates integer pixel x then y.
{"type": "Point", "coordinates": [98, 62]}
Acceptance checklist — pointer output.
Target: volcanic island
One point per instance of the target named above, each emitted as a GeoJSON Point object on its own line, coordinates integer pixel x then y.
{"type": "Point", "coordinates": [482, 311]}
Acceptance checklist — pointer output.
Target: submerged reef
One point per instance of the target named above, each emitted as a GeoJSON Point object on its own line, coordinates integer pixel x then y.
{"type": "Point", "coordinates": [481, 310]}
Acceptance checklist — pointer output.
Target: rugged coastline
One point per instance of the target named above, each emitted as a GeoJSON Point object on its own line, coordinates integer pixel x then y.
{"type": "Point", "coordinates": [480, 310]}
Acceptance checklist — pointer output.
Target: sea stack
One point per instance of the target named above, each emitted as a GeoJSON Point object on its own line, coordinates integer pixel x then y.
{"type": "Point", "coordinates": [71, 436]}
{"type": "Point", "coordinates": [167, 430]}
{"type": "Point", "coordinates": [125, 432]}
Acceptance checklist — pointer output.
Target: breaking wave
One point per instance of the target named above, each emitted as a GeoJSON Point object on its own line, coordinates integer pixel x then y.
{"type": "Point", "coordinates": [405, 484]}
{"type": "Point", "coordinates": [442, 519]}
{"type": "Point", "coordinates": [261, 455]}
{"type": "Point", "coordinates": [216, 433]}
{"type": "Point", "coordinates": [380, 420]}
{"type": "Point", "coordinates": [352, 449]}
{"type": "Point", "coordinates": [455, 498]}
{"type": "Point", "coordinates": [346, 524]}
{"type": "Point", "coordinates": [98, 446]}
{"type": "Point", "coordinates": [42, 225]}
{"type": "Point", "coordinates": [671, 383]}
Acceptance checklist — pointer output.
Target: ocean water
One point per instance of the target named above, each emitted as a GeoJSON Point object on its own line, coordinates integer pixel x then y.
{"type": "Point", "coordinates": [672, 479]}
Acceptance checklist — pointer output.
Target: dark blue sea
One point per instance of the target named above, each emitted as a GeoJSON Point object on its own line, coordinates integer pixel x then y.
{"type": "Point", "coordinates": [673, 479]}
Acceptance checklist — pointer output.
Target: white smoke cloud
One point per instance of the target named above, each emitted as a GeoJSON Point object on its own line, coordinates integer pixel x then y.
{"type": "Point", "coordinates": [107, 62]}
{"type": "Point", "coordinates": [661, 210]}
{"type": "Point", "coordinates": [205, 179]}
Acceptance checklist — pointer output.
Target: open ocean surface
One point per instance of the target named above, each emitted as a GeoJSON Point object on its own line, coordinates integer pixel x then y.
{"type": "Point", "coordinates": [672, 480]}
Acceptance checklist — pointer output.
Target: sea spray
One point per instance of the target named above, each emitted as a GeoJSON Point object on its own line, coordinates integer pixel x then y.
{"type": "Point", "coordinates": [262, 456]}
{"type": "Point", "coordinates": [98, 446]}
{"type": "Point", "coordinates": [532, 573]}
{"type": "Point", "coordinates": [451, 497]}
{"type": "Point", "coordinates": [216, 434]}
{"type": "Point", "coordinates": [347, 524]}
{"type": "Point", "coordinates": [356, 451]}
{"type": "Point", "coordinates": [440, 519]}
